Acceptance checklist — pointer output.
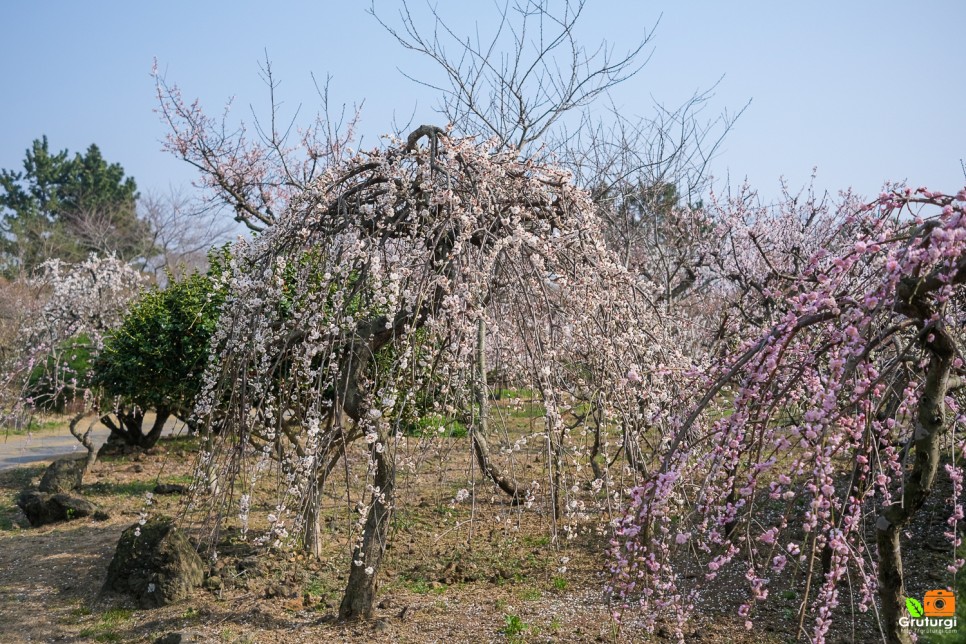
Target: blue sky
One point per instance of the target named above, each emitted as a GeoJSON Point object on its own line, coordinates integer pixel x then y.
{"type": "Point", "coordinates": [866, 91]}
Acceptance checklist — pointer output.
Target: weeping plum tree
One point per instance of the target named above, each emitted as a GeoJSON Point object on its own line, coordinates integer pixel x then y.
{"type": "Point", "coordinates": [383, 283]}
{"type": "Point", "coordinates": [380, 284]}
{"type": "Point", "coordinates": [827, 421]}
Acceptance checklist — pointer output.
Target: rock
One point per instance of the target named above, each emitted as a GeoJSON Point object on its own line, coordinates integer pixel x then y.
{"type": "Point", "coordinates": [170, 488]}
{"type": "Point", "coordinates": [157, 567]}
{"type": "Point", "coordinates": [282, 590]}
{"type": "Point", "coordinates": [71, 507]}
{"type": "Point", "coordinates": [252, 567]}
{"type": "Point", "coordinates": [185, 637]}
{"type": "Point", "coordinates": [63, 475]}
{"type": "Point", "coordinates": [116, 446]}
{"type": "Point", "coordinates": [34, 506]}
{"type": "Point", "coordinates": [42, 509]}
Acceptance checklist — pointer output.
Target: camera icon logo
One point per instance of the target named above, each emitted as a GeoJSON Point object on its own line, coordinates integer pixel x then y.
{"type": "Point", "coordinates": [939, 603]}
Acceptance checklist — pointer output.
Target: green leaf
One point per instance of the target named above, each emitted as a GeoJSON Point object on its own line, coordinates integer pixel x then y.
{"type": "Point", "coordinates": [914, 607]}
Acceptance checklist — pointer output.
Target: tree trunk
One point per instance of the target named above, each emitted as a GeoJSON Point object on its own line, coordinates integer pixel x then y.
{"type": "Point", "coordinates": [149, 440]}
{"type": "Point", "coordinates": [312, 537]}
{"type": "Point", "coordinates": [480, 429]}
{"type": "Point", "coordinates": [312, 544]}
{"type": "Point", "coordinates": [86, 439]}
{"type": "Point", "coordinates": [929, 424]}
{"type": "Point", "coordinates": [130, 427]}
{"type": "Point", "coordinates": [360, 591]}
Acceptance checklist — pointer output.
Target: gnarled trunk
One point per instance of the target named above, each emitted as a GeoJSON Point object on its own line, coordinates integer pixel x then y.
{"type": "Point", "coordinates": [360, 591]}
{"type": "Point", "coordinates": [86, 439]}
{"type": "Point", "coordinates": [929, 424]}
{"type": "Point", "coordinates": [129, 429]}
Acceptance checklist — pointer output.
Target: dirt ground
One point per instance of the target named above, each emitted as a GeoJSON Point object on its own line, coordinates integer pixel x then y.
{"type": "Point", "coordinates": [509, 583]}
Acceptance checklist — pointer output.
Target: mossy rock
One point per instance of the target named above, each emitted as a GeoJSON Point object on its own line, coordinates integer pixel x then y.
{"type": "Point", "coordinates": [155, 563]}
{"type": "Point", "coordinates": [64, 476]}
{"type": "Point", "coordinates": [41, 509]}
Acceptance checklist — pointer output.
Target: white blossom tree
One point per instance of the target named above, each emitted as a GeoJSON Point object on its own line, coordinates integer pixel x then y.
{"type": "Point", "coordinates": [76, 306]}
{"type": "Point", "coordinates": [375, 298]}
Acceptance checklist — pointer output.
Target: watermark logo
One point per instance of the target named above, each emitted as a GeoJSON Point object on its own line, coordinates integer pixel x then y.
{"type": "Point", "coordinates": [935, 614]}
{"type": "Point", "coordinates": [939, 603]}
{"type": "Point", "coordinates": [914, 607]}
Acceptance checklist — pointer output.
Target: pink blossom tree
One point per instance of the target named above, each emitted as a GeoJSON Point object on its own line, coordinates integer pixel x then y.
{"type": "Point", "coordinates": [822, 428]}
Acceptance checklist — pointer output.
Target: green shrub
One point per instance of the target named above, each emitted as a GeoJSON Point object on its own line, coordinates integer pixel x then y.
{"type": "Point", "coordinates": [156, 358]}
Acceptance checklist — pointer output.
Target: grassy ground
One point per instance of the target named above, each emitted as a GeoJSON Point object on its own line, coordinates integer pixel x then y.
{"type": "Point", "coordinates": [454, 572]}
{"type": "Point", "coordinates": [37, 425]}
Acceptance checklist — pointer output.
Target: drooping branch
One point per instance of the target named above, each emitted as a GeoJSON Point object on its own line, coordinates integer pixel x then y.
{"type": "Point", "coordinates": [480, 430]}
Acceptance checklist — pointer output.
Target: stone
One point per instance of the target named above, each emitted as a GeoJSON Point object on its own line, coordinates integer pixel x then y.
{"type": "Point", "coordinates": [155, 563]}
{"type": "Point", "coordinates": [41, 509]}
{"type": "Point", "coordinates": [71, 507]}
{"type": "Point", "coordinates": [116, 446]}
{"type": "Point", "coordinates": [63, 475]}
{"type": "Point", "coordinates": [34, 506]}
{"type": "Point", "coordinates": [281, 590]}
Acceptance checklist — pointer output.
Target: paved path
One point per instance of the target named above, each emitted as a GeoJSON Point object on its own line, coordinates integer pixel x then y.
{"type": "Point", "coordinates": [48, 445]}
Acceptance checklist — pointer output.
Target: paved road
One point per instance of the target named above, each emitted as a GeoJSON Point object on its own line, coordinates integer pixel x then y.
{"type": "Point", "coordinates": [48, 445]}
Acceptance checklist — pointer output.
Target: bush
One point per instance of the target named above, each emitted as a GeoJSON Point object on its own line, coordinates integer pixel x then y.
{"type": "Point", "coordinates": [156, 358]}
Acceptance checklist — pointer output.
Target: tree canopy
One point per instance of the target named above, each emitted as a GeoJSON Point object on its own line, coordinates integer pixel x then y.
{"type": "Point", "coordinates": [66, 207]}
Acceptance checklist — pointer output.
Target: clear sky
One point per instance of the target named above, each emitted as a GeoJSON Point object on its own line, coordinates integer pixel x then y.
{"type": "Point", "coordinates": [866, 91]}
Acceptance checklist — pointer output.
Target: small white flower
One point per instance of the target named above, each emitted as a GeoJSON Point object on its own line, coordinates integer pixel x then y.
{"type": "Point", "coordinates": [369, 571]}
